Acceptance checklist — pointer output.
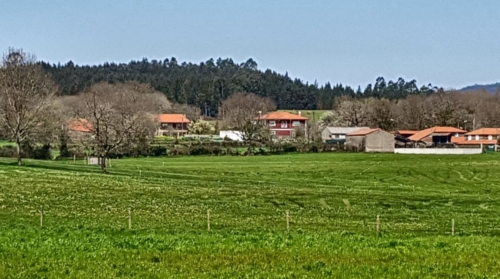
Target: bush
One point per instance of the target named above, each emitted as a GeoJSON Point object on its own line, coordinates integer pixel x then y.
{"type": "Point", "coordinates": [157, 151]}
{"type": "Point", "coordinates": [200, 150]}
{"type": "Point", "coordinates": [179, 151]}
{"type": "Point", "coordinates": [42, 153]}
{"type": "Point", "coordinates": [28, 151]}
{"type": "Point", "coordinates": [8, 151]}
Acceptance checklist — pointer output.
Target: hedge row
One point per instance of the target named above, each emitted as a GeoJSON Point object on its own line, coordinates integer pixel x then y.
{"type": "Point", "coordinates": [185, 149]}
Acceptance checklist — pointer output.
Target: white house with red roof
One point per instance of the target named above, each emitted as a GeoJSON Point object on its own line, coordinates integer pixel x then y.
{"type": "Point", "coordinates": [173, 124]}
{"type": "Point", "coordinates": [481, 137]}
{"type": "Point", "coordinates": [284, 124]}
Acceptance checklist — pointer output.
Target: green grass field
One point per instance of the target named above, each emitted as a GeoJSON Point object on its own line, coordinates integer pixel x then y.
{"type": "Point", "coordinates": [332, 199]}
{"type": "Point", "coordinates": [313, 115]}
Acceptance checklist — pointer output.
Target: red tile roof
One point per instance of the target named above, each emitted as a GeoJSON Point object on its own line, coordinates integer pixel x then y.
{"type": "Point", "coordinates": [457, 140]}
{"type": "Point", "coordinates": [407, 132]}
{"type": "Point", "coordinates": [282, 115]}
{"type": "Point", "coordinates": [485, 132]}
{"type": "Point", "coordinates": [363, 132]}
{"type": "Point", "coordinates": [435, 130]}
{"type": "Point", "coordinates": [80, 125]}
{"type": "Point", "coordinates": [173, 118]}
{"type": "Point", "coordinates": [478, 142]}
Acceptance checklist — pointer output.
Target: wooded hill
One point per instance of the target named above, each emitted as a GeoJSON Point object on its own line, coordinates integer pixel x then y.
{"type": "Point", "coordinates": [492, 88]}
{"type": "Point", "coordinates": [207, 84]}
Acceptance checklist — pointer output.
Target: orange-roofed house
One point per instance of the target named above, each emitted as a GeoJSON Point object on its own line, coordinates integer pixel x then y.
{"type": "Point", "coordinates": [481, 137]}
{"type": "Point", "coordinates": [284, 124]}
{"type": "Point", "coordinates": [173, 124]}
{"type": "Point", "coordinates": [370, 140]}
{"type": "Point", "coordinates": [438, 135]}
{"type": "Point", "coordinates": [407, 133]}
{"type": "Point", "coordinates": [80, 125]}
{"type": "Point", "coordinates": [79, 129]}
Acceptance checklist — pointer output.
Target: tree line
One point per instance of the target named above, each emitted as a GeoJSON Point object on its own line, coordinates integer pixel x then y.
{"type": "Point", "coordinates": [207, 84]}
{"type": "Point", "coordinates": [111, 117]}
{"type": "Point", "coordinates": [467, 110]}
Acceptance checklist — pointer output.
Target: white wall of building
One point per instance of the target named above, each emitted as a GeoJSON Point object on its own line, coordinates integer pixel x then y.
{"type": "Point", "coordinates": [232, 135]}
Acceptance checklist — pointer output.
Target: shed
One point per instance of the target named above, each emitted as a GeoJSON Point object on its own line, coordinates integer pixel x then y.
{"type": "Point", "coordinates": [371, 140]}
{"type": "Point", "coordinates": [338, 133]}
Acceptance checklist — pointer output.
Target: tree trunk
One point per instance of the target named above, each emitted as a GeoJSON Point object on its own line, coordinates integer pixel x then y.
{"type": "Point", "coordinates": [103, 164]}
{"type": "Point", "coordinates": [19, 159]}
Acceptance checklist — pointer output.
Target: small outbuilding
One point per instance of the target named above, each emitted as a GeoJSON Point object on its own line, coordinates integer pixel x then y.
{"type": "Point", "coordinates": [370, 140]}
{"type": "Point", "coordinates": [338, 133]}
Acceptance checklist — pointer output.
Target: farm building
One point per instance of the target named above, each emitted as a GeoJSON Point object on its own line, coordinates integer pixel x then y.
{"type": "Point", "coordinates": [337, 134]}
{"type": "Point", "coordinates": [371, 140]}
{"type": "Point", "coordinates": [438, 135]}
{"type": "Point", "coordinates": [406, 133]}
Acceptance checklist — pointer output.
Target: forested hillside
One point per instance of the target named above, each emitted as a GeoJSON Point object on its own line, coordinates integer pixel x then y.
{"type": "Point", "coordinates": [207, 84]}
{"type": "Point", "coordinates": [492, 88]}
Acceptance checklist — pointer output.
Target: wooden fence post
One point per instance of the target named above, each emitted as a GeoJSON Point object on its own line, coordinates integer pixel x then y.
{"type": "Point", "coordinates": [287, 221]}
{"type": "Point", "coordinates": [378, 225]}
{"type": "Point", "coordinates": [208, 219]}
{"type": "Point", "coordinates": [130, 218]}
{"type": "Point", "coordinates": [452, 227]}
{"type": "Point", "coordinates": [41, 216]}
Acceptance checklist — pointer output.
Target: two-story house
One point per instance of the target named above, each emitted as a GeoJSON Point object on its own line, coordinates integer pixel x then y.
{"type": "Point", "coordinates": [484, 136]}
{"type": "Point", "coordinates": [173, 125]}
{"type": "Point", "coordinates": [284, 124]}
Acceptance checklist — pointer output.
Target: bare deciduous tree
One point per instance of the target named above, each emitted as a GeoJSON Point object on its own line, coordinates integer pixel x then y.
{"type": "Point", "coordinates": [330, 118]}
{"type": "Point", "coordinates": [382, 114]}
{"type": "Point", "coordinates": [26, 99]}
{"type": "Point", "coordinates": [240, 110]}
{"type": "Point", "coordinates": [192, 113]}
{"type": "Point", "coordinates": [117, 115]}
{"type": "Point", "coordinates": [351, 112]}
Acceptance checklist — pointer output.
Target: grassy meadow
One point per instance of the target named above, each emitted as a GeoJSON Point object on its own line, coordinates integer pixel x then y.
{"type": "Point", "coordinates": [332, 200]}
{"type": "Point", "coordinates": [313, 115]}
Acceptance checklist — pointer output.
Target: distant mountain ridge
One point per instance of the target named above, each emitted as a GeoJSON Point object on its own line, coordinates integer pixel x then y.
{"type": "Point", "coordinates": [492, 88]}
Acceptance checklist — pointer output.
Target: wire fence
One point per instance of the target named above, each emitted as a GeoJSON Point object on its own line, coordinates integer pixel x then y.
{"type": "Point", "coordinates": [197, 219]}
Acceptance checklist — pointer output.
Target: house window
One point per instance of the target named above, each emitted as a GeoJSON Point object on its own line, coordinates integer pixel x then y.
{"type": "Point", "coordinates": [490, 137]}
{"type": "Point", "coordinates": [337, 136]}
{"type": "Point", "coordinates": [456, 135]}
{"type": "Point", "coordinates": [273, 133]}
{"type": "Point", "coordinates": [469, 137]}
{"type": "Point", "coordinates": [477, 137]}
{"type": "Point", "coordinates": [284, 124]}
{"type": "Point", "coordinates": [296, 123]}
{"type": "Point", "coordinates": [272, 123]}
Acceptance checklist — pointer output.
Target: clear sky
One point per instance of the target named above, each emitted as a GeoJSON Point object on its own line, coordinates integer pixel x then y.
{"type": "Point", "coordinates": [450, 43]}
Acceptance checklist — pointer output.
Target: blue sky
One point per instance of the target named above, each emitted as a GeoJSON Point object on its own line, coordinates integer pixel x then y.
{"type": "Point", "coordinates": [450, 43]}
